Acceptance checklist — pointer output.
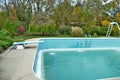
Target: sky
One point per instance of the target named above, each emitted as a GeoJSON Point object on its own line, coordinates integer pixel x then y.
{"type": "Point", "coordinates": [103, 2]}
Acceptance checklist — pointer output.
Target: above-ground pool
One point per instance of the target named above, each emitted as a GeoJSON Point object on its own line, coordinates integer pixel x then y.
{"type": "Point", "coordinates": [77, 59]}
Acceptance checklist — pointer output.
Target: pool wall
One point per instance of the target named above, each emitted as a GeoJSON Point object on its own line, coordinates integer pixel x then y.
{"type": "Point", "coordinates": [54, 43]}
{"type": "Point", "coordinates": [79, 43]}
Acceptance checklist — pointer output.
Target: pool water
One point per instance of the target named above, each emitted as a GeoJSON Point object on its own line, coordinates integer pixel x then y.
{"type": "Point", "coordinates": [80, 64]}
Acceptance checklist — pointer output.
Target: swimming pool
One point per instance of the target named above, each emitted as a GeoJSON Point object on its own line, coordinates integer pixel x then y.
{"type": "Point", "coordinates": [77, 58]}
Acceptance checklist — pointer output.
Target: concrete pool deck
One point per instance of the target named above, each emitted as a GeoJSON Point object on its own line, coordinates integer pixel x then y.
{"type": "Point", "coordinates": [17, 64]}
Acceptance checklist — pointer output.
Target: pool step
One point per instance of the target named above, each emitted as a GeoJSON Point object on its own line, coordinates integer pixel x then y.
{"type": "Point", "coordinates": [88, 42]}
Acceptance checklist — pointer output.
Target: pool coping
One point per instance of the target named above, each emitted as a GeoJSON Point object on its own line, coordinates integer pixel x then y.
{"type": "Point", "coordinates": [81, 38]}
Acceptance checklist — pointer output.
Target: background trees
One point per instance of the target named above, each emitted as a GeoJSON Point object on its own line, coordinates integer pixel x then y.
{"type": "Point", "coordinates": [86, 14]}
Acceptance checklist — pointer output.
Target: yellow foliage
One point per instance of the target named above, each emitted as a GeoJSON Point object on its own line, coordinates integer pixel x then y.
{"type": "Point", "coordinates": [117, 17]}
{"type": "Point", "coordinates": [105, 22]}
{"type": "Point", "coordinates": [115, 31]}
{"type": "Point", "coordinates": [76, 14]}
{"type": "Point", "coordinates": [76, 11]}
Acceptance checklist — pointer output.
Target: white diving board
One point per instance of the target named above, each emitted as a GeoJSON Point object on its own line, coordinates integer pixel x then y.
{"type": "Point", "coordinates": [20, 45]}
{"type": "Point", "coordinates": [27, 42]}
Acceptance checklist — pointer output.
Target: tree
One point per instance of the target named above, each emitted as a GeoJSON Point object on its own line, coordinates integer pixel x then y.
{"type": "Point", "coordinates": [4, 6]}
{"type": "Point", "coordinates": [105, 23]}
{"type": "Point", "coordinates": [117, 17]}
{"type": "Point", "coordinates": [3, 17]}
{"type": "Point", "coordinates": [112, 8]}
{"type": "Point", "coordinates": [62, 13]}
{"type": "Point", "coordinates": [96, 8]}
{"type": "Point", "coordinates": [76, 14]}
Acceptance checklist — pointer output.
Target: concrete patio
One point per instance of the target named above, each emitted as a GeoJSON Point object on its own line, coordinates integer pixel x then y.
{"type": "Point", "coordinates": [17, 64]}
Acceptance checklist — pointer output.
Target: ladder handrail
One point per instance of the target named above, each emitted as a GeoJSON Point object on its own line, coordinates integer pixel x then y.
{"type": "Point", "coordinates": [112, 23]}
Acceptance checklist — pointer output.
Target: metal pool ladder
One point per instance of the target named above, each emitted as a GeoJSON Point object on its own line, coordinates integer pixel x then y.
{"type": "Point", "coordinates": [88, 41]}
{"type": "Point", "coordinates": [110, 28]}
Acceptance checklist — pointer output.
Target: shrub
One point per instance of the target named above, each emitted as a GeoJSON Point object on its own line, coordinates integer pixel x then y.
{"type": "Point", "coordinates": [8, 26]}
{"type": "Point", "coordinates": [115, 31]}
{"type": "Point", "coordinates": [51, 29]}
{"type": "Point", "coordinates": [1, 48]}
{"type": "Point", "coordinates": [45, 30]}
{"type": "Point", "coordinates": [95, 34]}
{"type": "Point", "coordinates": [4, 44]}
{"type": "Point", "coordinates": [31, 28]}
{"type": "Point", "coordinates": [3, 34]}
{"type": "Point", "coordinates": [48, 30]}
{"type": "Point", "coordinates": [92, 29]}
{"type": "Point", "coordinates": [103, 30]}
{"type": "Point", "coordinates": [76, 32]}
{"type": "Point", "coordinates": [16, 24]}
{"type": "Point", "coordinates": [95, 29]}
{"type": "Point", "coordinates": [20, 30]}
{"type": "Point", "coordinates": [12, 26]}
{"type": "Point", "coordinates": [64, 30]}
{"type": "Point", "coordinates": [5, 39]}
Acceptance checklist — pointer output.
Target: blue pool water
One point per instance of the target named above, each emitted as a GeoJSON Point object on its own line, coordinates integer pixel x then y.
{"type": "Point", "coordinates": [77, 58]}
{"type": "Point", "coordinates": [81, 65]}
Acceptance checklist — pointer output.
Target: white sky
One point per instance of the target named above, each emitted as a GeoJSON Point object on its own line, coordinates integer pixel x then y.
{"type": "Point", "coordinates": [103, 2]}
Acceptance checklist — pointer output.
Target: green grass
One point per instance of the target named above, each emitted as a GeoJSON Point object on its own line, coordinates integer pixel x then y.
{"type": "Point", "coordinates": [22, 38]}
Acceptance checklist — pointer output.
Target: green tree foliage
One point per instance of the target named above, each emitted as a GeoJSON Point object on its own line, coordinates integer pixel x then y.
{"type": "Point", "coordinates": [64, 30]}
{"type": "Point", "coordinates": [87, 14]}
{"type": "Point", "coordinates": [115, 31]}
{"type": "Point", "coordinates": [76, 15]}
{"type": "Point", "coordinates": [117, 17]}
{"type": "Point", "coordinates": [5, 39]}
{"type": "Point", "coordinates": [3, 18]}
{"type": "Point", "coordinates": [62, 13]}
{"type": "Point", "coordinates": [45, 30]}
